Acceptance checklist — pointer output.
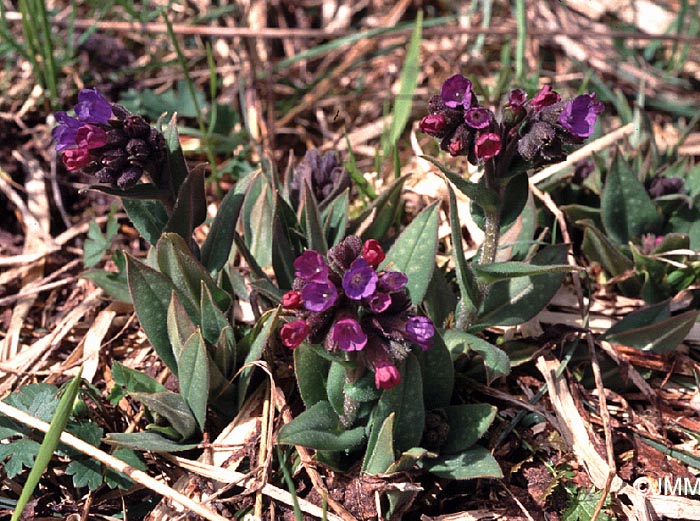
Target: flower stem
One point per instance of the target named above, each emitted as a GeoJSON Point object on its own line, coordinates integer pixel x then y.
{"type": "Point", "coordinates": [492, 219]}
{"type": "Point", "coordinates": [350, 405]}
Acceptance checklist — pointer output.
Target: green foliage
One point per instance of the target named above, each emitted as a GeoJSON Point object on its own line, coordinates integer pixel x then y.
{"type": "Point", "coordinates": [582, 504]}
{"type": "Point", "coordinates": [97, 244]}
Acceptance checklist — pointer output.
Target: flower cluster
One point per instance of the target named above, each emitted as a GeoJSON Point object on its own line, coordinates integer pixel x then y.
{"type": "Point", "coordinates": [536, 129]}
{"type": "Point", "coordinates": [107, 141]}
{"type": "Point", "coordinates": [324, 174]}
{"type": "Point", "coordinates": [348, 304]}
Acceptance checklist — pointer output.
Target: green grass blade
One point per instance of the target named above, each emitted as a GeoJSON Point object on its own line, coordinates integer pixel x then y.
{"type": "Point", "coordinates": [521, 23]}
{"type": "Point", "coordinates": [47, 54]}
{"type": "Point", "coordinates": [48, 446]}
{"type": "Point", "coordinates": [193, 95]}
{"type": "Point", "coordinates": [408, 81]}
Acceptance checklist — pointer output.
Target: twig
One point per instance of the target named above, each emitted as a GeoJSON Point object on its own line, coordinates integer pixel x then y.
{"type": "Point", "coordinates": [595, 365]}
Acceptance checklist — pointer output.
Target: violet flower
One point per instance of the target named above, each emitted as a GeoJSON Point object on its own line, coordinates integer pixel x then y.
{"type": "Point", "coordinates": [319, 296]}
{"type": "Point", "coordinates": [420, 331]}
{"type": "Point", "coordinates": [310, 266]}
{"type": "Point", "coordinates": [580, 114]}
{"type": "Point", "coordinates": [457, 91]}
{"type": "Point", "coordinates": [348, 335]}
{"type": "Point", "coordinates": [360, 280]}
{"type": "Point", "coordinates": [478, 117]}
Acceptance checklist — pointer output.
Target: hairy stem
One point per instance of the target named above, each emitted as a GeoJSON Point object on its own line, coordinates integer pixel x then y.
{"type": "Point", "coordinates": [492, 219]}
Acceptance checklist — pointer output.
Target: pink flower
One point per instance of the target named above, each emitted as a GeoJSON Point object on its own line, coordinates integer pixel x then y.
{"type": "Point", "coordinates": [76, 158]}
{"type": "Point", "coordinates": [433, 124]}
{"type": "Point", "coordinates": [545, 97]}
{"type": "Point", "coordinates": [90, 137]}
{"type": "Point", "coordinates": [386, 375]}
{"type": "Point", "coordinates": [487, 145]}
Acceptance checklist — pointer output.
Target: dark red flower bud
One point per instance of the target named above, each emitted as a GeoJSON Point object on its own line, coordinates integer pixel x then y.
{"type": "Point", "coordinates": [294, 333]}
{"type": "Point", "coordinates": [291, 300]}
{"type": "Point", "coordinates": [433, 124]}
{"type": "Point", "coordinates": [373, 253]}
{"type": "Point", "coordinates": [76, 158]}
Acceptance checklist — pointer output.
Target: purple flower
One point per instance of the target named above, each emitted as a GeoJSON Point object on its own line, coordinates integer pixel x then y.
{"type": "Point", "coordinates": [545, 97]}
{"type": "Point", "coordinates": [379, 302]}
{"type": "Point", "coordinates": [66, 130]}
{"type": "Point", "coordinates": [92, 107]}
{"type": "Point", "coordinates": [516, 98]}
{"type": "Point", "coordinates": [310, 266]}
{"type": "Point", "coordinates": [348, 335]}
{"type": "Point", "coordinates": [420, 331]}
{"type": "Point", "coordinates": [477, 117]}
{"type": "Point", "coordinates": [393, 281]}
{"type": "Point", "coordinates": [319, 296]}
{"type": "Point", "coordinates": [457, 91]}
{"type": "Point", "coordinates": [360, 280]}
{"type": "Point", "coordinates": [579, 115]}
{"type": "Point", "coordinates": [487, 145]}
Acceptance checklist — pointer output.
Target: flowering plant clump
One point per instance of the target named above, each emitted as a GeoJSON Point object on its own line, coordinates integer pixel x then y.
{"type": "Point", "coordinates": [324, 174]}
{"type": "Point", "coordinates": [107, 141]}
{"type": "Point", "coordinates": [348, 304]}
{"type": "Point", "coordinates": [535, 130]}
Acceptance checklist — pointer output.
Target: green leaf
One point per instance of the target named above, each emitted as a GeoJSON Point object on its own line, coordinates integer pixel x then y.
{"type": "Point", "coordinates": [148, 441]}
{"type": "Point", "coordinates": [113, 283]}
{"type": "Point", "coordinates": [311, 371]}
{"type": "Point", "coordinates": [382, 456]}
{"type": "Point", "coordinates": [132, 381]}
{"type": "Point", "coordinates": [583, 505]}
{"type": "Point", "coordinates": [190, 207]}
{"type": "Point", "coordinates": [406, 401]}
{"type": "Point", "coordinates": [626, 209]}
{"type": "Point", "coordinates": [193, 373]}
{"type": "Point", "coordinates": [258, 213]}
{"type": "Point", "coordinates": [467, 423]}
{"type": "Point", "coordinates": [484, 197]}
{"type": "Point", "coordinates": [335, 387]}
{"type": "Point", "coordinates": [511, 269]}
{"type": "Point", "coordinates": [176, 166]}
{"type": "Point", "coordinates": [515, 301]}
{"type": "Point", "coordinates": [407, 81]}
{"type": "Point", "coordinates": [335, 219]}
{"type": "Point", "coordinates": [437, 361]}
{"type": "Point", "coordinates": [217, 246]}
{"type": "Point", "coordinates": [659, 335]}
{"type": "Point", "coordinates": [86, 472]}
{"type": "Point", "coordinates": [319, 428]}
{"type": "Point", "coordinates": [470, 295]}
{"type": "Point", "coordinates": [180, 326]}
{"type": "Point", "coordinates": [149, 218]}
{"type": "Point", "coordinates": [177, 262]}
{"type": "Point", "coordinates": [439, 301]}
{"type": "Point", "coordinates": [496, 360]}
{"type": "Point", "coordinates": [17, 455]}
{"type": "Point", "coordinates": [414, 251]}
{"type": "Point", "coordinates": [315, 236]}
{"type": "Point", "coordinates": [141, 191]}
{"type": "Point", "coordinates": [217, 331]}
{"type": "Point", "coordinates": [471, 464]}
{"type": "Point", "coordinates": [39, 400]}
{"type": "Point", "coordinates": [95, 246]}
{"type": "Point", "coordinates": [287, 242]}
{"type": "Point", "coordinates": [150, 294]}
{"type": "Point", "coordinates": [388, 194]}
{"type": "Point", "coordinates": [173, 408]}
{"type": "Point", "coordinates": [257, 347]}
{"type": "Point", "coordinates": [48, 446]}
